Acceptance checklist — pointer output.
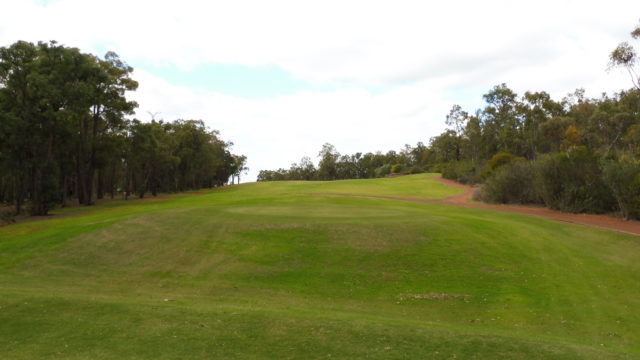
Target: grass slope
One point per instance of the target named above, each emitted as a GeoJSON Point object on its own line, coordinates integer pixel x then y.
{"type": "Point", "coordinates": [290, 270]}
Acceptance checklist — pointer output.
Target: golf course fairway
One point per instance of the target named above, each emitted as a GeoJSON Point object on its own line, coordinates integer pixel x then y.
{"type": "Point", "coordinates": [315, 270]}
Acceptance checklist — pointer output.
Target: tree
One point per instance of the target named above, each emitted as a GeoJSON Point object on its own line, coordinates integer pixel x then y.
{"type": "Point", "coordinates": [536, 109]}
{"type": "Point", "coordinates": [501, 121]}
{"type": "Point", "coordinates": [238, 167]}
{"type": "Point", "coordinates": [625, 56]}
{"type": "Point", "coordinates": [327, 166]}
{"type": "Point", "coordinates": [457, 120]}
{"type": "Point", "coordinates": [18, 101]}
{"type": "Point", "coordinates": [108, 80]}
{"type": "Point", "coordinates": [64, 132]}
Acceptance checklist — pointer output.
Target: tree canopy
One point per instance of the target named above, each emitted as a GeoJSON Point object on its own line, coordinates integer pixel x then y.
{"type": "Point", "coordinates": [65, 133]}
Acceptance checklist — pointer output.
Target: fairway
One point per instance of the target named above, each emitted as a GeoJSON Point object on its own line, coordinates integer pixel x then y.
{"type": "Point", "coordinates": [315, 270]}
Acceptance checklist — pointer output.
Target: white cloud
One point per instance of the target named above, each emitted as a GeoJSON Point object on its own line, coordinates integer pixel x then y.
{"type": "Point", "coordinates": [425, 53]}
{"type": "Point", "coordinates": [277, 132]}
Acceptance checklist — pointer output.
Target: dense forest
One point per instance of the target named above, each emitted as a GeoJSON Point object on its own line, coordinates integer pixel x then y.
{"type": "Point", "coordinates": [65, 134]}
{"type": "Point", "coordinates": [576, 154]}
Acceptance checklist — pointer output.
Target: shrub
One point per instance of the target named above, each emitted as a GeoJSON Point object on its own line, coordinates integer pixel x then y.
{"type": "Point", "coordinates": [397, 168]}
{"type": "Point", "coordinates": [623, 178]}
{"type": "Point", "coordinates": [383, 170]}
{"type": "Point", "coordinates": [510, 184]}
{"type": "Point", "coordinates": [7, 217]}
{"type": "Point", "coordinates": [496, 161]}
{"type": "Point", "coordinates": [462, 171]}
{"type": "Point", "coordinates": [572, 182]}
{"type": "Point", "coordinates": [415, 170]}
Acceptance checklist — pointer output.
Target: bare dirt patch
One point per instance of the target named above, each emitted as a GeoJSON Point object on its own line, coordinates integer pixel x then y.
{"type": "Point", "coordinates": [434, 296]}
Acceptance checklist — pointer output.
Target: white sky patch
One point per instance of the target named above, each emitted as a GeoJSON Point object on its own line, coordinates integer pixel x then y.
{"type": "Point", "coordinates": [277, 132]}
{"type": "Point", "coordinates": [425, 55]}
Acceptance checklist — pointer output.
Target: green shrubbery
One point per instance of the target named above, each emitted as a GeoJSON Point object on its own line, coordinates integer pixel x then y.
{"type": "Point", "coordinates": [511, 184]}
{"type": "Point", "coordinates": [462, 171]}
{"type": "Point", "coordinates": [623, 178]}
{"type": "Point", "coordinates": [383, 170]}
{"type": "Point", "coordinates": [578, 180]}
{"type": "Point", "coordinates": [573, 182]}
{"type": "Point", "coordinates": [397, 168]}
{"type": "Point", "coordinates": [498, 160]}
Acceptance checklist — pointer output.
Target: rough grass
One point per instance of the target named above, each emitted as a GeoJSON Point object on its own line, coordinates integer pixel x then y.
{"type": "Point", "coordinates": [283, 270]}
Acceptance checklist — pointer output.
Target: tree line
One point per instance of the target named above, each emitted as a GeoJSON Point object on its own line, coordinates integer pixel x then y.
{"type": "Point", "coordinates": [65, 134]}
{"type": "Point", "coordinates": [576, 154]}
{"type": "Point", "coordinates": [334, 166]}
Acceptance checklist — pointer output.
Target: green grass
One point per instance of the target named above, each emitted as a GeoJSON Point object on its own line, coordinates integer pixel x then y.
{"type": "Point", "coordinates": [291, 270]}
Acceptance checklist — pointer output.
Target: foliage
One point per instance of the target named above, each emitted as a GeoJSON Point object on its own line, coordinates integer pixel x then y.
{"type": "Point", "coordinates": [497, 161]}
{"type": "Point", "coordinates": [64, 133]}
{"type": "Point", "coordinates": [573, 182]}
{"type": "Point", "coordinates": [623, 177]}
{"type": "Point", "coordinates": [626, 56]}
{"type": "Point", "coordinates": [383, 170]}
{"type": "Point", "coordinates": [397, 168]}
{"type": "Point", "coordinates": [415, 170]}
{"type": "Point", "coordinates": [511, 183]}
{"type": "Point", "coordinates": [463, 171]}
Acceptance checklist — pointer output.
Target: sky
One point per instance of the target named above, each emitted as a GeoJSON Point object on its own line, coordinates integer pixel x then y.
{"type": "Point", "coordinates": [281, 78]}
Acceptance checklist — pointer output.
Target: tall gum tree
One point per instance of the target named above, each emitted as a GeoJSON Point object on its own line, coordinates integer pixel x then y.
{"type": "Point", "coordinates": [108, 82]}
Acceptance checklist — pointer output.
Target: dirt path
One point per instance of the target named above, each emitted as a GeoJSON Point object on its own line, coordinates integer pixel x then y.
{"type": "Point", "coordinates": [600, 221]}
{"type": "Point", "coordinates": [465, 200]}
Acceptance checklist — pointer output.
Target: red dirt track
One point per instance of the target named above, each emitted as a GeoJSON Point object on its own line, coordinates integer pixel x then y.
{"type": "Point", "coordinates": [600, 221]}
{"type": "Point", "coordinates": [465, 200]}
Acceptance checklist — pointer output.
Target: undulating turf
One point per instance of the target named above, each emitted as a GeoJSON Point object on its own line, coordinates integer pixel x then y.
{"type": "Point", "coordinates": [294, 270]}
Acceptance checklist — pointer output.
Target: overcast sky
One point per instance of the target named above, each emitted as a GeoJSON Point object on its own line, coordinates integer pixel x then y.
{"type": "Point", "coordinates": [280, 78]}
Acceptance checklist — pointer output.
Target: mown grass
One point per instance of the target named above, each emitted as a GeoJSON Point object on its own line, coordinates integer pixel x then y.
{"type": "Point", "coordinates": [289, 270]}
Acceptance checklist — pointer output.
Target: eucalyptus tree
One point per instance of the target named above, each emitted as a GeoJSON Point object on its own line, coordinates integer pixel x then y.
{"type": "Point", "coordinates": [328, 158]}
{"type": "Point", "coordinates": [502, 123]}
{"type": "Point", "coordinates": [626, 56]}
{"type": "Point", "coordinates": [18, 99]}
{"type": "Point", "coordinates": [238, 167]}
{"type": "Point", "coordinates": [36, 110]}
{"type": "Point", "coordinates": [102, 110]}
{"type": "Point", "coordinates": [457, 120]}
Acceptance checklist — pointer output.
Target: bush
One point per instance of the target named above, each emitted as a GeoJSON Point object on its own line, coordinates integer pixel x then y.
{"type": "Point", "coordinates": [7, 217]}
{"type": "Point", "coordinates": [510, 184]}
{"type": "Point", "coordinates": [462, 171]}
{"type": "Point", "coordinates": [416, 170]}
{"type": "Point", "coordinates": [498, 160]}
{"type": "Point", "coordinates": [383, 170]}
{"type": "Point", "coordinates": [397, 169]}
{"type": "Point", "coordinates": [572, 182]}
{"type": "Point", "coordinates": [623, 178]}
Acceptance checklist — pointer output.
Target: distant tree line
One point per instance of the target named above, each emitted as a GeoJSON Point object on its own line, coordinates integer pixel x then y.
{"type": "Point", "coordinates": [64, 134]}
{"type": "Point", "coordinates": [334, 166]}
{"type": "Point", "coordinates": [577, 154]}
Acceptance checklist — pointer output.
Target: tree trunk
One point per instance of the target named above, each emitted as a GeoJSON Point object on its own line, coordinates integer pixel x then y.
{"type": "Point", "coordinates": [100, 189]}
{"type": "Point", "coordinates": [112, 185]}
{"type": "Point", "coordinates": [64, 191]}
